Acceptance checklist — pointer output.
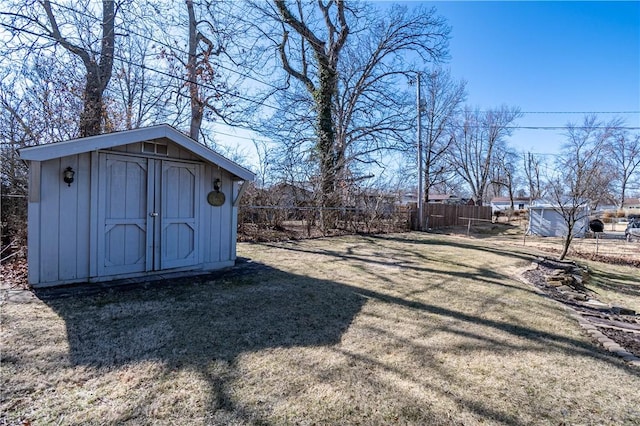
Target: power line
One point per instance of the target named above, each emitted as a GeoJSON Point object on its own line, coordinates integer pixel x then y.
{"type": "Point", "coordinates": [580, 112]}
{"type": "Point", "coordinates": [180, 78]}
{"type": "Point", "coordinates": [167, 45]}
{"type": "Point", "coordinates": [277, 108]}
{"type": "Point", "coordinates": [175, 48]}
{"type": "Point", "coordinates": [565, 128]}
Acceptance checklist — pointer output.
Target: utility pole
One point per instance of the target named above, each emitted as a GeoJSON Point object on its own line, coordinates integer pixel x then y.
{"type": "Point", "coordinates": [419, 141]}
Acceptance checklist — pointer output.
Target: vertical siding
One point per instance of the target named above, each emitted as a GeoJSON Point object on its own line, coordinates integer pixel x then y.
{"type": "Point", "coordinates": [215, 218]}
{"type": "Point", "coordinates": [93, 213]}
{"type": "Point", "coordinates": [83, 227]}
{"type": "Point", "coordinates": [50, 185]}
{"type": "Point", "coordinates": [64, 220]}
{"type": "Point", "coordinates": [205, 216]}
{"type": "Point", "coordinates": [68, 218]}
{"type": "Point", "coordinates": [33, 224]}
{"type": "Point", "coordinates": [64, 228]}
{"type": "Point", "coordinates": [225, 219]}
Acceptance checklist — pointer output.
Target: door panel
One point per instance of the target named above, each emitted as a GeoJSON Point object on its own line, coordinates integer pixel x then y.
{"type": "Point", "coordinates": [122, 241]}
{"type": "Point", "coordinates": [179, 222]}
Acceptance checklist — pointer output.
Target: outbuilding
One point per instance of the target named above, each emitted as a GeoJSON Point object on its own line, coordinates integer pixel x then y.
{"type": "Point", "coordinates": [546, 220]}
{"type": "Point", "coordinates": [130, 204]}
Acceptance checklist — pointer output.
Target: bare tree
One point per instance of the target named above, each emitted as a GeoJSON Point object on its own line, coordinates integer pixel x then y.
{"type": "Point", "coordinates": [443, 98]}
{"type": "Point", "coordinates": [580, 175]}
{"type": "Point", "coordinates": [505, 173]}
{"type": "Point", "coordinates": [476, 141]}
{"type": "Point", "coordinates": [326, 53]}
{"type": "Point", "coordinates": [137, 95]}
{"type": "Point", "coordinates": [39, 104]}
{"type": "Point", "coordinates": [42, 24]}
{"type": "Point", "coordinates": [532, 168]}
{"type": "Point", "coordinates": [342, 63]}
{"type": "Point", "coordinates": [623, 151]}
{"type": "Point", "coordinates": [200, 47]}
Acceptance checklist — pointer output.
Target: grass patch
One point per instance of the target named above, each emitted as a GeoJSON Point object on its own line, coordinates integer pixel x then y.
{"type": "Point", "coordinates": [402, 328]}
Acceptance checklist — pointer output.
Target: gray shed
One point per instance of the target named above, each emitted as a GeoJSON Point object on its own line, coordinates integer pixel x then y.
{"type": "Point", "coordinates": [547, 221]}
{"type": "Point", "coordinates": [129, 204]}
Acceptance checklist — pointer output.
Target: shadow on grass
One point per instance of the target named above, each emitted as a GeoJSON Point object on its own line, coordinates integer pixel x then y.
{"type": "Point", "coordinates": [626, 284]}
{"type": "Point", "coordinates": [188, 325]}
{"type": "Point", "coordinates": [466, 272]}
{"type": "Point", "coordinates": [457, 243]}
{"type": "Point", "coordinates": [196, 325]}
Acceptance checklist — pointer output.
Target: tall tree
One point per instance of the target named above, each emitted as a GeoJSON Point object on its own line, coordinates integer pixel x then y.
{"type": "Point", "coordinates": [443, 98]}
{"type": "Point", "coordinates": [41, 24]}
{"type": "Point", "coordinates": [623, 151]}
{"type": "Point", "coordinates": [532, 168]}
{"type": "Point", "coordinates": [476, 141]}
{"type": "Point", "coordinates": [505, 173]}
{"type": "Point", "coordinates": [324, 87]}
{"type": "Point", "coordinates": [199, 44]}
{"type": "Point", "coordinates": [342, 63]}
{"type": "Point", "coordinates": [137, 95]}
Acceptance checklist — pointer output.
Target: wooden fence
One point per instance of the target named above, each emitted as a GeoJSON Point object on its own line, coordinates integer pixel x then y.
{"type": "Point", "coordinates": [436, 216]}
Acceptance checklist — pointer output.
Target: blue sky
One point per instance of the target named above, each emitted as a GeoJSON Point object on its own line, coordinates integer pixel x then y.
{"type": "Point", "coordinates": [547, 57]}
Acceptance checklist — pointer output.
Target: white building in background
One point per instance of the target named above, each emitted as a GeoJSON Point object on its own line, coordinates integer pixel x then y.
{"type": "Point", "coordinates": [504, 203]}
{"type": "Point", "coordinates": [546, 220]}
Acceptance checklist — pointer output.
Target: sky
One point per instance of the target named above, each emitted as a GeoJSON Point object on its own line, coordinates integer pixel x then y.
{"type": "Point", "coordinates": [556, 61]}
{"type": "Point", "coordinates": [550, 58]}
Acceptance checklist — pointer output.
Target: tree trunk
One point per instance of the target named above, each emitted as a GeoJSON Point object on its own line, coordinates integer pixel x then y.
{"type": "Point", "coordinates": [92, 114]}
{"type": "Point", "coordinates": [98, 74]}
{"type": "Point", "coordinates": [566, 245]}
{"type": "Point", "coordinates": [197, 109]}
{"type": "Point", "coordinates": [326, 135]}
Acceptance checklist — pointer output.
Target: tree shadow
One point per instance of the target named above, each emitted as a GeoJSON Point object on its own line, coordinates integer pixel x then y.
{"type": "Point", "coordinates": [627, 284]}
{"type": "Point", "coordinates": [486, 275]}
{"type": "Point", "coordinates": [195, 323]}
{"type": "Point", "coordinates": [458, 244]}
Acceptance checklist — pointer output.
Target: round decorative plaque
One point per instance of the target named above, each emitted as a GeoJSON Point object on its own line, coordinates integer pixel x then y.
{"type": "Point", "coordinates": [215, 198]}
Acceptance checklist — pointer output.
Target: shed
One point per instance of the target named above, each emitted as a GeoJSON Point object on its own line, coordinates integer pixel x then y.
{"type": "Point", "coordinates": [547, 221]}
{"type": "Point", "coordinates": [129, 204]}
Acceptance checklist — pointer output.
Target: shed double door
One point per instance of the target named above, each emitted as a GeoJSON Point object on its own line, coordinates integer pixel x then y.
{"type": "Point", "coordinates": [147, 214]}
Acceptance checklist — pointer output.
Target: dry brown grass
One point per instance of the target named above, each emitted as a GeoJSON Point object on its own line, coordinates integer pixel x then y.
{"type": "Point", "coordinates": [397, 329]}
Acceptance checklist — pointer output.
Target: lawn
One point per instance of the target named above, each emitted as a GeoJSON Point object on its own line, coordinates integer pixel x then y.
{"type": "Point", "coordinates": [395, 329]}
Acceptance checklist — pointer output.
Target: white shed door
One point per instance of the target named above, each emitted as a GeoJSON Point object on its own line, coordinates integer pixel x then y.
{"type": "Point", "coordinates": [179, 207]}
{"type": "Point", "coordinates": [147, 214]}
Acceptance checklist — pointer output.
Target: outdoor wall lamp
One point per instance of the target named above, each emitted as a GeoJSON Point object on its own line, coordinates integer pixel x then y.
{"type": "Point", "coordinates": [68, 175]}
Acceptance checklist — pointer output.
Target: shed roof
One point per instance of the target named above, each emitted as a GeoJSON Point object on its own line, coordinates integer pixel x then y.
{"type": "Point", "coordinates": [109, 140]}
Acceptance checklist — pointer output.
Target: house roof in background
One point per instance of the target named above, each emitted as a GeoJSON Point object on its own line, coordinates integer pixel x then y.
{"type": "Point", "coordinates": [631, 201]}
{"type": "Point", "coordinates": [110, 140]}
{"type": "Point", "coordinates": [443, 197]}
{"type": "Point", "coordinates": [508, 200]}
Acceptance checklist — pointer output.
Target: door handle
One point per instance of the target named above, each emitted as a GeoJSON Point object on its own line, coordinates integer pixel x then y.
{"type": "Point", "coordinates": [153, 214]}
